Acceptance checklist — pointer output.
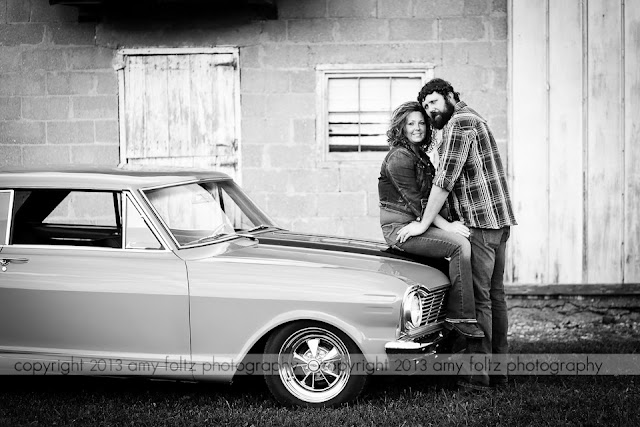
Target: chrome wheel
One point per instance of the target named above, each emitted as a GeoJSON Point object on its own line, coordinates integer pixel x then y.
{"type": "Point", "coordinates": [314, 365]}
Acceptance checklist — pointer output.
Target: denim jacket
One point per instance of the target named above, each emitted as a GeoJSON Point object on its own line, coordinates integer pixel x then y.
{"type": "Point", "coordinates": [405, 181]}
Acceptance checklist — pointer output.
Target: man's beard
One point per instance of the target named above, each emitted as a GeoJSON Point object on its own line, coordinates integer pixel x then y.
{"type": "Point", "coordinates": [439, 120]}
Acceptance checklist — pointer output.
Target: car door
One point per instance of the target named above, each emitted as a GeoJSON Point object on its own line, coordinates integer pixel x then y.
{"type": "Point", "coordinates": [79, 281]}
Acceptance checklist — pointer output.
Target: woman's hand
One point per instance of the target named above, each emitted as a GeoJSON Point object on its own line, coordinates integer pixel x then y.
{"type": "Point", "coordinates": [458, 228]}
{"type": "Point", "coordinates": [414, 228]}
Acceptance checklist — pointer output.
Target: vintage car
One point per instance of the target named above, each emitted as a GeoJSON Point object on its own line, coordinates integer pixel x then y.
{"type": "Point", "coordinates": [180, 275]}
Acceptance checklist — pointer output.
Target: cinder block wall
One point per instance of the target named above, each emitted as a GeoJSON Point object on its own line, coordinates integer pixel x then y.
{"type": "Point", "coordinates": [58, 90]}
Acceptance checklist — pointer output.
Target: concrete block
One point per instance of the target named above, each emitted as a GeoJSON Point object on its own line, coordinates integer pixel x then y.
{"type": "Point", "coordinates": [45, 155]}
{"type": "Point", "coordinates": [286, 56]}
{"type": "Point", "coordinates": [22, 132]}
{"type": "Point", "coordinates": [437, 8]}
{"type": "Point", "coordinates": [107, 83]}
{"type": "Point", "coordinates": [3, 11]}
{"type": "Point", "coordinates": [413, 29]}
{"type": "Point", "coordinates": [266, 131]}
{"type": "Point", "coordinates": [359, 178]}
{"type": "Point", "coordinates": [107, 132]}
{"type": "Point", "coordinates": [265, 180]}
{"type": "Point", "coordinates": [373, 204]}
{"type": "Point", "coordinates": [10, 84]}
{"type": "Point", "coordinates": [292, 206]}
{"type": "Point", "coordinates": [303, 81]}
{"type": "Point", "coordinates": [252, 155]}
{"type": "Point", "coordinates": [94, 107]}
{"type": "Point", "coordinates": [395, 9]}
{"type": "Point", "coordinates": [105, 155]}
{"type": "Point", "coordinates": [70, 132]}
{"type": "Point", "coordinates": [314, 180]}
{"type": "Point", "coordinates": [70, 83]}
{"type": "Point", "coordinates": [10, 58]}
{"type": "Point", "coordinates": [499, 6]}
{"type": "Point", "coordinates": [31, 83]}
{"type": "Point", "coordinates": [90, 58]}
{"type": "Point", "coordinates": [477, 7]}
{"type": "Point", "coordinates": [44, 59]}
{"type": "Point", "coordinates": [240, 34]}
{"type": "Point", "coordinates": [355, 30]}
{"type": "Point", "coordinates": [315, 225]}
{"type": "Point", "coordinates": [254, 80]}
{"type": "Point", "coordinates": [462, 29]}
{"type": "Point", "coordinates": [21, 34]}
{"type": "Point", "coordinates": [488, 102]}
{"type": "Point", "coordinates": [500, 78]}
{"type": "Point", "coordinates": [11, 157]}
{"type": "Point", "coordinates": [291, 105]}
{"type": "Point", "coordinates": [44, 12]}
{"type": "Point", "coordinates": [480, 53]}
{"type": "Point", "coordinates": [253, 105]}
{"type": "Point", "coordinates": [498, 28]}
{"type": "Point", "coordinates": [498, 126]}
{"type": "Point", "coordinates": [45, 107]}
{"type": "Point", "coordinates": [18, 10]}
{"type": "Point", "coordinates": [304, 131]}
{"type": "Point", "coordinates": [465, 78]}
{"type": "Point", "coordinates": [250, 57]}
{"type": "Point", "coordinates": [363, 227]}
{"type": "Point", "coordinates": [289, 156]}
{"type": "Point", "coordinates": [352, 8]}
{"type": "Point", "coordinates": [72, 34]}
{"type": "Point", "coordinates": [296, 9]}
{"type": "Point", "coordinates": [373, 53]}
{"type": "Point", "coordinates": [311, 30]}
{"type": "Point", "coordinates": [9, 108]}
{"type": "Point", "coordinates": [273, 32]}
{"type": "Point", "coordinates": [338, 205]}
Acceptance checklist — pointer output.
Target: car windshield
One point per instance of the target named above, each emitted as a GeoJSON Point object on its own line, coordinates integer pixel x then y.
{"type": "Point", "coordinates": [202, 212]}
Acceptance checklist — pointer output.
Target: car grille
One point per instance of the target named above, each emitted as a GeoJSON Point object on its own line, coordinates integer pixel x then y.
{"type": "Point", "coordinates": [433, 306]}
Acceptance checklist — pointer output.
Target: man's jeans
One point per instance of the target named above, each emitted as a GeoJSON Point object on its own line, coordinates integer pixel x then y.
{"type": "Point", "coordinates": [487, 264]}
{"type": "Point", "coordinates": [437, 243]}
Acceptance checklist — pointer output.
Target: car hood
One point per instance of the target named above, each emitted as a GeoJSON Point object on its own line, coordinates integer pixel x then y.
{"type": "Point", "coordinates": [280, 248]}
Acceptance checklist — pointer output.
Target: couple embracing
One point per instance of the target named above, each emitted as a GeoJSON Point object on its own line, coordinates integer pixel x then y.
{"type": "Point", "coordinates": [472, 232]}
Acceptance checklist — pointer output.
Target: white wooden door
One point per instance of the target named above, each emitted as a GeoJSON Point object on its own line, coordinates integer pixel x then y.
{"type": "Point", "coordinates": [179, 108]}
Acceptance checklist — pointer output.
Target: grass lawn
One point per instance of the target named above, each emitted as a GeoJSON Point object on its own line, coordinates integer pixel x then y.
{"type": "Point", "coordinates": [412, 401]}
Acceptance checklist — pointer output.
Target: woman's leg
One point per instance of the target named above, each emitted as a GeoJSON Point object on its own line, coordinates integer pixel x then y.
{"type": "Point", "coordinates": [437, 243]}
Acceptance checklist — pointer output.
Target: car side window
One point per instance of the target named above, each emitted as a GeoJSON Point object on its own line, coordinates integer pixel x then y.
{"type": "Point", "coordinates": [138, 235]}
{"type": "Point", "coordinates": [5, 208]}
{"type": "Point", "coordinates": [67, 217]}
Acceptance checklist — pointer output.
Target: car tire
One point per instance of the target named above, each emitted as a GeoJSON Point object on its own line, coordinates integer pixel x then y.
{"type": "Point", "coordinates": [313, 365]}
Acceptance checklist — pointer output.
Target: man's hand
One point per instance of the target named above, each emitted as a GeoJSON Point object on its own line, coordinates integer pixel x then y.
{"type": "Point", "coordinates": [412, 229]}
{"type": "Point", "coordinates": [457, 227]}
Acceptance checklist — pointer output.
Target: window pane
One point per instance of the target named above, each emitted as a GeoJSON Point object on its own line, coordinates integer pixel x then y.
{"type": "Point", "coordinates": [375, 94]}
{"type": "Point", "coordinates": [404, 89]}
{"type": "Point", "coordinates": [138, 234]}
{"type": "Point", "coordinates": [5, 204]}
{"type": "Point", "coordinates": [84, 207]}
{"type": "Point", "coordinates": [343, 94]}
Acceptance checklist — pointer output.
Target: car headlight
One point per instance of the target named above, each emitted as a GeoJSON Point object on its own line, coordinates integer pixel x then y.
{"type": "Point", "coordinates": [412, 310]}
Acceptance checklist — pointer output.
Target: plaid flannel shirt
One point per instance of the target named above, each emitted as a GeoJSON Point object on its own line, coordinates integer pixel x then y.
{"type": "Point", "coordinates": [471, 170]}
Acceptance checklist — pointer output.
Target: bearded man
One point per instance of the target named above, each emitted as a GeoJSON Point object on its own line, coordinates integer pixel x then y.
{"type": "Point", "coordinates": [470, 176]}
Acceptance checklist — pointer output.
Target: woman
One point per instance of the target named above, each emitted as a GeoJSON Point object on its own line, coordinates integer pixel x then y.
{"type": "Point", "coordinates": [403, 188]}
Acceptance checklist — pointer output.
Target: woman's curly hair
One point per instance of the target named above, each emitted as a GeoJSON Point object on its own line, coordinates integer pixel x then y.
{"type": "Point", "coordinates": [395, 133]}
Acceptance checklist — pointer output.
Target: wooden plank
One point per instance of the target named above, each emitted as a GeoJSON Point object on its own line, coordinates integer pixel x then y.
{"type": "Point", "coordinates": [592, 289]}
{"type": "Point", "coordinates": [156, 107]}
{"type": "Point", "coordinates": [565, 253]}
{"type": "Point", "coordinates": [605, 144]}
{"type": "Point", "coordinates": [632, 144]}
{"type": "Point", "coordinates": [179, 106]}
{"type": "Point", "coordinates": [225, 143]}
{"type": "Point", "coordinates": [201, 105]}
{"type": "Point", "coordinates": [134, 107]}
{"type": "Point", "coordinates": [530, 163]}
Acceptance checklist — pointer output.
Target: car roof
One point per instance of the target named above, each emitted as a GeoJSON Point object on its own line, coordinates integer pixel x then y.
{"type": "Point", "coordinates": [102, 178]}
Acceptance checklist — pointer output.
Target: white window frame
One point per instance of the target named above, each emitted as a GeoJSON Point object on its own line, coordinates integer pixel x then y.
{"type": "Point", "coordinates": [324, 72]}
